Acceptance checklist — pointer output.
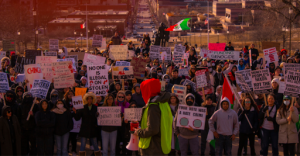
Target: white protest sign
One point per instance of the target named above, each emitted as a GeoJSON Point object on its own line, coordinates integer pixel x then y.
{"type": "Point", "coordinates": [163, 55]}
{"type": "Point", "coordinates": [20, 78]}
{"type": "Point", "coordinates": [201, 79]}
{"type": "Point", "coordinates": [63, 74]}
{"type": "Point", "coordinates": [290, 67]}
{"type": "Point", "coordinates": [154, 52]}
{"type": "Point", "coordinates": [53, 44]}
{"type": "Point", "coordinates": [76, 126]}
{"type": "Point", "coordinates": [90, 59]}
{"type": "Point", "coordinates": [97, 40]}
{"type": "Point", "coordinates": [32, 72]}
{"type": "Point", "coordinates": [118, 52]}
{"type": "Point", "coordinates": [51, 53]}
{"type": "Point", "coordinates": [242, 83]}
{"type": "Point", "coordinates": [131, 54]}
{"type": "Point", "coordinates": [40, 88]}
{"type": "Point", "coordinates": [46, 65]}
{"type": "Point", "coordinates": [163, 85]}
{"type": "Point", "coordinates": [77, 102]}
{"type": "Point", "coordinates": [122, 72]}
{"type": "Point", "coordinates": [292, 81]}
{"type": "Point", "coordinates": [178, 53]}
{"type": "Point", "coordinates": [261, 81]}
{"type": "Point", "coordinates": [4, 86]}
{"type": "Point", "coordinates": [98, 79]}
{"type": "Point", "coordinates": [122, 63]}
{"type": "Point", "coordinates": [75, 58]}
{"type": "Point", "coordinates": [109, 116]}
{"type": "Point", "coordinates": [2, 54]}
{"type": "Point", "coordinates": [183, 72]}
{"type": "Point", "coordinates": [191, 116]}
{"type": "Point", "coordinates": [69, 59]}
{"type": "Point", "coordinates": [133, 114]}
{"type": "Point", "coordinates": [220, 55]}
{"type": "Point", "coordinates": [281, 87]}
{"type": "Point", "coordinates": [185, 59]}
{"type": "Point", "coordinates": [271, 56]}
{"type": "Point", "coordinates": [180, 92]}
{"type": "Point", "coordinates": [246, 73]}
{"type": "Point", "coordinates": [167, 54]}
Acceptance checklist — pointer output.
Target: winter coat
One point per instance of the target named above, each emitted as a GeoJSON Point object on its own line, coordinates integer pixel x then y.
{"type": "Point", "coordinates": [261, 117]}
{"type": "Point", "coordinates": [218, 79]}
{"type": "Point", "coordinates": [139, 100]}
{"type": "Point", "coordinates": [253, 118]}
{"type": "Point", "coordinates": [22, 114]}
{"type": "Point", "coordinates": [278, 97]}
{"type": "Point", "coordinates": [64, 122]}
{"type": "Point", "coordinates": [123, 105]}
{"type": "Point", "coordinates": [287, 132]}
{"type": "Point", "coordinates": [176, 81]}
{"type": "Point", "coordinates": [116, 40]}
{"type": "Point", "coordinates": [210, 111]}
{"type": "Point", "coordinates": [88, 117]}
{"type": "Point", "coordinates": [45, 122]}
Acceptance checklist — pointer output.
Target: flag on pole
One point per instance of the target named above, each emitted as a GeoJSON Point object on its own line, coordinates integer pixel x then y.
{"type": "Point", "coordinates": [227, 92]}
{"type": "Point", "coordinates": [180, 26]}
{"type": "Point", "coordinates": [206, 21]}
{"type": "Point", "coordinates": [210, 138]}
{"type": "Point", "coordinates": [82, 26]}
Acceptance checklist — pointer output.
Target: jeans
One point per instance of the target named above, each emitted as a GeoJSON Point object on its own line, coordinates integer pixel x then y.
{"type": "Point", "coordinates": [204, 134]}
{"type": "Point", "coordinates": [83, 143]}
{"type": "Point", "coordinates": [289, 149]}
{"type": "Point", "coordinates": [223, 142]}
{"type": "Point", "coordinates": [111, 139]}
{"type": "Point", "coordinates": [61, 143]}
{"type": "Point", "coordinates": [44, 145]}
{"type": "Point", "coordinates": [184, 145]}
{"type": "Point", "coordinates": [243, 143]}
{"type": "Point", "coordinates": [28, 136]}
{"type": "Point", "coordinates": [267, 135]}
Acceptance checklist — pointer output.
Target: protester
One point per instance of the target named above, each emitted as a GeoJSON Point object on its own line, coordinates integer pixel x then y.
{"type": "Point", "coordinates": [229, 47]}
{"type": "Point", "coordinates": [137, 96]}
{"type": "Point", "coordinates": [174, 103]}
{"type": "Point", "coordinates": [116, 39]}
{"type": "Point", "coordinates": [175, 78]}
{"type": "Point", "coordinates": [254, 52]}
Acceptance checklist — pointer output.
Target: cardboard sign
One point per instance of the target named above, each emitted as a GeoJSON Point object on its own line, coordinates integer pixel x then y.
{"type": "Point", "coordinates": [91, 60]}
{"type": "Point", "coordinates": [191, 116]}
{"type": "Point", "coordinates": [4, 86]}
{"type": "Point", "coordinates": [162, 86]}
{"type": "Point", "coordinates": [242, 83]}
{"type": "Point", "coordinates": [290, 67]}
{"type": "Point", "coordinates": [69, 59]}
{"type": "Point", "coordinates": [97, 40]}
{"type": "Point", "coordinates": [167, 54]}
{"type": "Point", "coordinates": [76, 126]}
{"type": "Point", "coordinates": [63, 74]}
{"type": "Point", "coordinates": [292, 81]}
{"type": "Point", "coordinates": [261, 81]}
{"type": "Point", "coordinates": [271, 56]}
{"type": "Point", "coordinates": [131, 54]}
{"type": "Point", "coordinates": [183, 72]}
{"type": "Point", "coordinates": [20, 78]}
{"type": "Point", "coordinates": [201, 78]}
{"type": "Point", "coordinates": [133, 114]}
{"type": "Point", "coordinates": [46, 65]}
{"type": "Point", "coordinates": [31, 55]}
{"type": "Point", "coordinates": [217, 46]}
{"type": "Point", "coordinates": [118, 52]}
{"type": "Point", "coordinates": [9, 45]}
{"type": "Point", "coordinates": [53, 45]}
{"type": "Point", "coordinates": [80, 55]}
{"type": "Point", "coordinates": [180, 92]}
{"type": "Point", "coordinates": [98, 79]}
{"type": "Point", "coordinates": [40, 88]}
{"type": "Point", "coordinates": [122, 72]}
{"type": "Point", "coordinates": [122, 63]}
{"type": "Point", "coordinates": [220, 55]}
{"type": "Point", "coordinates": [80, 91]}
{"type": "Point", "coordinates": [33, 72]}
{"type": "Point", "coordinates": [51, 53]}
{"type": "Point", "coordinates": [178, 53]}
{"type": "Point", "coordinates": [154, 52]}
{"type": "Point", "coordinates": [109, 116]}
{"type": "Point", "coordinates": [75, 58]}
{"type": "Point", "coordinates": [77, 102]}
{"type": "Point", "coordinates": [139, 66]}
{"type": "Point", "coordinates": [246, 73]}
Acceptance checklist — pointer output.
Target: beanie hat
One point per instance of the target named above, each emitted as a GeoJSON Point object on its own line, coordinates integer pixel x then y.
{"type": "Point", "coordinates": [26, 93]}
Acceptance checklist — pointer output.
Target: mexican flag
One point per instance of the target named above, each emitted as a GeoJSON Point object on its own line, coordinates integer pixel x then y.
{"type": "Point", "coordinates": [180, 26]}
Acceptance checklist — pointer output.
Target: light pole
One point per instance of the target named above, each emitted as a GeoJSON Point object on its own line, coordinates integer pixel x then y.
{"type": "Point", "coordinates": [19, 33]}
{"type": "Point", "coordinates": [227, 35]}
{"type": "Point", "coordinates": [37, 38]}
{"type": "Point", "coordinates": [74, 38]}
{"type": "Point", "coordinates": [34, 18]}
{"type": "Point", "coordinates": [290, 12]}
{"type": "Point", "coordinates": [218, 36]}
{"type": "Point", "coordinates": [200, 37]}
{"type": "Point", "coordinates": [194, 34]}
{"type": "Point", "coordinates": [81, 39]}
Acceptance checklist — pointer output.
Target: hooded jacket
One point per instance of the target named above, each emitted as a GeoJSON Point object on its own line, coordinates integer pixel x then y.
{"type": "Point", "coordinates": [169, 85]}
{"type": "Point", "coordinates": [253, 118]}
{"type": "Point", "coordinates": [13, 104]}
{"type": "Point", "coordinates": [210, 111]}
{"type": "Point", "coordinates": [138, 98]}
{"type": "Point", "coordinates": [52, 99]}
{"type": "Point", "coordinates": [45, 122]}
{"type": "Point", "coordinates": [198, 98]}
{"type": "Point", "coordinates": [19, 99]}
{"type": "Point", "coordinates": [227, 120]}
{"type": "Point", "coordinates": [241, 67]}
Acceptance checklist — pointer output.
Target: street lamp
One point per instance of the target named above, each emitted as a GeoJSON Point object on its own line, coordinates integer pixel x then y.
{"type": "Point", "coordinates": [290, 12]}
{"type": "Point", "coordinates": [19, 33]}
{"type": "Point", "coordinates": [81, 39]}
{"type": "Point", "coordinates": [218, 36]}
{"type": "Point", "coordinates": [75, 38]}
{"type": "Point", "coordinates": [194, 34]}
{"type": "Point", "coordinates": [200, 37]}
{"type": "Point", "coordinates": [37, 37]}
{"type": "Point", "coordinates": [34, 18]}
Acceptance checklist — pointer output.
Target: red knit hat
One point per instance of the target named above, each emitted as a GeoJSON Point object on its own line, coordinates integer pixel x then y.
{"type": "Point", "coordinates": [150, 88]}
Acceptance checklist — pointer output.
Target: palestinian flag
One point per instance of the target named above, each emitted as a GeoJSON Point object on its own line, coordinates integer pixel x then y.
{"type": "Point", "coordinates": [210, 138]}
{"type": "Point", "coordinates": [180, 26]}
{"type": "Point", "coordinates": [227, 92]}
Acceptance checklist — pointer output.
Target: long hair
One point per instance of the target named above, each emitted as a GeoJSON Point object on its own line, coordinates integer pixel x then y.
{"type": "Point", "coordinates": [106, 98]}
{"type": "Point", "coordinates": [120, 92]}
{"type": "Point", "coordinates": [66, 96]}
{"type": "Point", "coordinates": [282, 109]}
{"type": "Point", "coordinates": [252, 103]}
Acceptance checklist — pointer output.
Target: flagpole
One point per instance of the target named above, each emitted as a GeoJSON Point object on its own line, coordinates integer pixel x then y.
{"type": "Point", "coordinates": [87, 33]}
{"type": "Point", "coordinates": [207, 24]}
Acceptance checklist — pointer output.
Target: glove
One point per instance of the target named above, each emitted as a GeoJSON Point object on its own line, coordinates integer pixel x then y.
{"type": "Point", "coordinates": [269, 118]}
{"type": "Point", "coordinates": [266, 108]}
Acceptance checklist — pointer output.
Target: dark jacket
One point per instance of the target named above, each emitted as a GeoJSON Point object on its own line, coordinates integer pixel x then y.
{"type": "Point", "coordinates": [210, 111]}
{"type": "Point", "coordinates": [88, 118]}
{"type": "Point", "coordinates": [253, 118]}
{"type": "Point", "coordinates": [278, 97]}
{"type": "Point", "coordinates": [64, 123]}
{"type": "Point", "coordinates": [13, 104]}
{"type": "Point", "coordinates": [45, 122]}
{"type": "Point", "coordinates": [116, 40]}
{"type": "Point", "coordinates": [9, 135]}
{"type": "Point", "coordinates": [139, 100]}
{"type": "Point", "coordinates": [261, 117]}
{"type": "Point", "coordinates": [176, 81]}
{"type": "Point", "coordinates": [218, 79]}
{"type": "Point", "coordinates": [22, 114]}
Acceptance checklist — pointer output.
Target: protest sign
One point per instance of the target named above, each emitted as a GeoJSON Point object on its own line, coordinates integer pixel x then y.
{"type": "Point", "coordinates": [80, 55]}
{"type": "Point", "coordinates": [98, 79]}
{"type": "Point", "coordinates": [183, 72]}
{"type": "Point", "coordinates": [201, 78]}
{"type": "Point", "coordinates": [122, 63]}
{"type": "Point", "coordinates": [131, 54]}
{"type": "Point", "coordinates": [97, 40]}
{"type": "Point", "coordinates": [292, 81]}
{"type": "Point", "coordinates": [40, 88]}
{"type": "Point", "coordinates": [208, 89]}
{"type": "Point", "coordinates": [77, 102]}
{"type": "Point", "coordinates": [32, 72]}
{"type": "Point", "coordinates": [185, 59]}
{"type": "Point", "coordinates": [118, 52]}
{"type": "Point", "coordinates": [51, 53]}
{"type": "Point", "coordinates": [12, 78]}
{"type": "Point", "coordinates": [266, 45]}
{"type": "Point", "coordinates": [282, 86]}
{"type": "Point", "coordinates": [53, 44]}
{"type": "Point", "coordinates": [204, 53]}
{"type": "Point", "coordinates": [261, 81]}
{"type": "Point", "coordinates": [20, 78]}
{"type": "Point", "coordinates": [133, 114]}
{"type": "Point", "coordinates": [2, 54]}
{"type": "Point", "coordinates": [154, 52]}
{"type": "Point", "coordinates": [69, 59]}
{"type": "Point", "coordinates": [246, 73]}
{"type": "Point", "coordinates": [9, 45]}
{"type": "Point", "coordinates": [167, 54]}
{"type": "Point", "coordinates": [242, 83]}
{"type": "Point", "coordinates": [122, 72]}
{"type": "Point", "coordinates": [178, 53]}
{"type": "Point", "coordinates": [76, 126]}
{"type": "Point", "coordinates": [138, 65]}
{"type": "Point", "coordinates": [217, 46]}
{"type": "Point", "coordinates": [186, 81]}
{"type": "Point", "coordinates": [21, 61]}
{"type": "Point", "coordinates": [80, 91]}
{"type": "Point", "coordinates": [46, 65]}
{"type": "Point", "coordinates": [191, 116]}
{"type": "Point", "coordinates": [180, 92]}
{"type": "Point", "coordinates": [163, 86]}
{"type": "Point", "coordinates": [220, 55]}
{"type": "Point", "coordinates": [31, 55]}
{"type": "Point", "coordinates": [271, 56]}
{"type": "Point", "coordinates": [290, 67]}
{"type": "Point", "coordinates": [163, 55]}
{"type": "Point", "coordinates": [109, 116]}
{"type": "Point", "coordinates": [63, 74]}
{"type": "Point", "coordinates": [91, 60]}
{"type": "Point", "coordinates": [4, 86]}
{"type": "Point", "coordinates": [75, 58]}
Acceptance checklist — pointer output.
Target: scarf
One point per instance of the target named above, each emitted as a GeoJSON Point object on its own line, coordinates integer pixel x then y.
{"type": "Point", "coordinates": [59, 111]}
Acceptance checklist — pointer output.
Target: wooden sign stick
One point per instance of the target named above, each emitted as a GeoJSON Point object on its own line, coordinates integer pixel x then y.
{"type": "Point", "coordinates": [31, 108]}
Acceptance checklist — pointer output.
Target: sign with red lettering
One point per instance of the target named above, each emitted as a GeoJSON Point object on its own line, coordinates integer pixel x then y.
{"type": "Point", "coordinates": [201, 78]}
{"type": "Point", "coordinates": [32, 72]}
{"type": "Point", "coordinates": [46, 65]}
{"type": "Point", "coordinates": [63, 74]}
{"type": "Point", "coordinates": [271, 56]}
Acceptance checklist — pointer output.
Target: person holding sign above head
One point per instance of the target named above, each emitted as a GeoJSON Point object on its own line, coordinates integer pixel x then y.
{"type": "Point", "coordinates": [88, 128]}
{"type": "Point", "coordinates": [228, 126]}
{"type": "Point", "coordinates": [168, 86]}
{"type": "Point", "coordinates": [287, 117]}
{"type": "Point", "coordinates": [275, 88]}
